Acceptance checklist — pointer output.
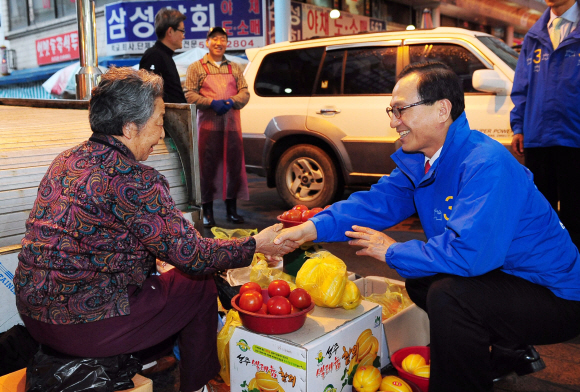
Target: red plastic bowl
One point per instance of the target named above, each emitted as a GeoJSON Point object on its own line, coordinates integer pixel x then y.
{"type": "Point", "coordinates": [288, 223]}
{"type": "Point", "coordinates": [270, 324]}
{"type": "Point", "coordinates": [398, 357]}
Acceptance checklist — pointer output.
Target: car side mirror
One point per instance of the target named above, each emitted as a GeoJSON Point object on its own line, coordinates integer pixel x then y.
{"type": "Point", "coordinates": [491, 81]}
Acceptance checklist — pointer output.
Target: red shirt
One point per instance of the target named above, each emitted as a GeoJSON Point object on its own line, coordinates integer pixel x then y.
{"type": "Point", "coordinates": [99, 221]}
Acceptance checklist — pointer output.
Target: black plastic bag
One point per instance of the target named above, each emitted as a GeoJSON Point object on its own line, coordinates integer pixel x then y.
{"type": "Point", "coordinates": [17, 349]}
{"type": "Point", "coordinates": [51, 371]}
{"type": "Point", "coordinates": [225, 291]}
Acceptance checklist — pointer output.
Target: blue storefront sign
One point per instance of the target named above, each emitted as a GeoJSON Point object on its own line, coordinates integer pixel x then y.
{"type": "Point", "coordinates": [131, 25]}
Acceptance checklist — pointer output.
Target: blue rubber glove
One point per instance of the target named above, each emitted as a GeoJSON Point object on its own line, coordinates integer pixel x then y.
{"type": "Point", "coordinates": [218, 105]}
{"type": "Point", "coordinates": [228, 104]}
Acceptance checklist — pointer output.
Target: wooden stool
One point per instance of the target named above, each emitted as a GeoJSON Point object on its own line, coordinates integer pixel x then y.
{"type": "Point", "coordinates": [16, 382]}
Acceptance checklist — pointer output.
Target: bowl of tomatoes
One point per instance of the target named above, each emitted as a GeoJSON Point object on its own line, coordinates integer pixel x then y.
{"type": "Point", "coordinates": [298, 214]}
{"type": "Point", "coordinates": [276, 310]}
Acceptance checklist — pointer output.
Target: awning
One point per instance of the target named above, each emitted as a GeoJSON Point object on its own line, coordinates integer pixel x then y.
{"type": "Point", "coordinates": [43, 73]}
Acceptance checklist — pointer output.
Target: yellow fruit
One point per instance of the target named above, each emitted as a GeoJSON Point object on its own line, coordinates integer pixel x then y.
{"type": "Point", "coordinates": [394, 384]}
{"type": "Point", "coordinates": [367, 379]}
{"type": "Point", "coordinates": [268, 385]}
{"type": "Point", "coordinates": [351, 297]}
{"type": "Point", "coordinates": [367, 360]}
{"type": "Point", "coordinates": [332, 289]}
{"type": "Point", "coordinates": [423, 371]}
{"type": "Point", "coordinates": [412, 362]}
{"type": "Point", "coordinates": [264, 376]}
{"type": "Point", "coordinates": [367, 344]}
{"type": "Point", "coordinates": [306, 275]}
{"type": "Point", "coordinates": [253, 385]}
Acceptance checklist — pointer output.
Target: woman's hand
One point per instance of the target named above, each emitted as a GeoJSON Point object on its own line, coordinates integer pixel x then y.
{"type": "Point", "coordinates": [162, 266]}
{"type": "Point", "coordinates": [273, 251]}
{"type": "Point", "coordinates": [300, 234]}
{"type": "Point", "coordinates": [374, 243]}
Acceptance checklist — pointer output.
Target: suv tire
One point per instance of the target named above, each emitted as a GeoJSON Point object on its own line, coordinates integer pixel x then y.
{"type": "Point", "coordinates": [305, 174]}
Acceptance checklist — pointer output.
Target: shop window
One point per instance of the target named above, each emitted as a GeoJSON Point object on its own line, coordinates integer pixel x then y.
{"type": "Point", "coordinates": [355, 7]}
{"type": "Point", "coordinates": [458, 58]}
{"type": "Point", "coordinates": [400, 13]}
{"type": "Point", "coordinates": [65, 8]}
{"type": "Point", "coordinates": [360, 71]}
{"type": "Point", "coordinates": [18, 14]}
{"type": "Point", "coordinates": [288, 73]}
{"type": "Point", "coordinates": [42, 10]}
{"type": "Point", "coordinates": [321, 3]}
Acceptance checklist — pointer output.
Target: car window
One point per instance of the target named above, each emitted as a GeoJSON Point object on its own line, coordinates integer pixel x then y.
{"type": "Point", "coordinates": [330, 80]}
{"type": "Point", "coordinates": [288, 73]}
{"type": "Point", "coordinates": [367, 71]}
{"type": "Point", "coordinates": [458, 58]}
{"type": "Point", "coordinates": [502, 50]}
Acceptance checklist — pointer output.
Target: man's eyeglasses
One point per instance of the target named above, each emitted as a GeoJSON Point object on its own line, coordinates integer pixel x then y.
{"type": "Point", "coordinates": [397, 111]}
{"type": "Point", "coordinates": [182, 31]}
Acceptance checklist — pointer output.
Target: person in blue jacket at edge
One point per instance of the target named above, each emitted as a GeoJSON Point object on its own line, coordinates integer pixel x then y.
{"type": "Point", "coordinates": [546, 115]}
{"type": "Point", "coordinates": [499, 271]}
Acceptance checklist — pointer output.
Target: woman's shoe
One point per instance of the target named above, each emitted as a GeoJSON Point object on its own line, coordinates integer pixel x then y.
{"type": "Point", "coordinates": [232, 213]}
{"type": "Point", "coordinates": [208, 220]}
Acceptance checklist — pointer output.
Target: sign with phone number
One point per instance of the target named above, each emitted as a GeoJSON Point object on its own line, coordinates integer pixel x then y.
{"type": "Point", "coordinates": [131, 25]}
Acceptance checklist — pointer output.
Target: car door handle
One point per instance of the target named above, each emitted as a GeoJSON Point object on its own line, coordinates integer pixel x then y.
{"type": "Point", "coordinates": [328, 111]}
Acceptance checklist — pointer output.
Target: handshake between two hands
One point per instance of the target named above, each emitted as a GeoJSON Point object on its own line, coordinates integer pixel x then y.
{"type": "Point", "coordinates": [274, 241]}
{"type": "Point", "coordinates": [222, 106]}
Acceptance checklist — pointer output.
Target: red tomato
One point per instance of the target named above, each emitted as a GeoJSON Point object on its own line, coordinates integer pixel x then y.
{"type": "Point", "coordinates": [263, 310]}
{"type": "Point", "coordinates": [307, 215]}
{"type": "Point", "coordinates": [279, 305]}
{"type": "Point", "coordinates": [294, 309]}
{"type": "Point", "coordinates": [278, 287]}
{"type": "Point", "coordinates": [250, 286]}
{"type": "Point", "coordinates": [294, 215]}
{"type": "Point", "coordinates": [300, 298]}
{"type": "Point", "coordinates": [316, 210]}
{"type": "Point", "coordinates": [300, 207]}
{"type": "Point", "coordinates": [251, 301]}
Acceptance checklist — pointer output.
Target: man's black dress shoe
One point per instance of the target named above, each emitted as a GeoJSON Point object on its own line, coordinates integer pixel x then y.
{"type": "Point", "coordinates": [524, 360]}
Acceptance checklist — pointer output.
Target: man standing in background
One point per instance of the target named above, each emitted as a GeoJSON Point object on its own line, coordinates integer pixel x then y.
{"type": "Point", "coordinates": [218, 89]}
{"type": "Point", "coordinates": [546, 116]}
{"type": "Point", "coordinates": [170, 32]}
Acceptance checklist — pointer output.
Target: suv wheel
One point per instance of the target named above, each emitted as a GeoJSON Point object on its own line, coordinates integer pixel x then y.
{"type": "Point", "coordinates": [306, 175]}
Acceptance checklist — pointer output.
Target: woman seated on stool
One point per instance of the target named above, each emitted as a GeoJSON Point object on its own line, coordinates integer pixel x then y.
{"type": "Point", "coordinates": [101, 219]}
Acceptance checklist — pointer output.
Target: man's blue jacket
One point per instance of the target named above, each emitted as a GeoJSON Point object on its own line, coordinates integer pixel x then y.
{"type": "Point", "coordinates": [480, 211]}
{"type": "Point", "coordinates": [546, 89]}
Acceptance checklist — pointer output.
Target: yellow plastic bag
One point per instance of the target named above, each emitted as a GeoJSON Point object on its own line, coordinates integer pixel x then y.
{"type": "Point", "coordinates": [262, 274]}
{"type": "Point", "coordinates": [393, 300]}
{"type": "Point", "coordinates": [228, 234]}
{"type": "Point", "coordinates": [223, 343]}
{"type": "Point", "coordinates": [325, 278]}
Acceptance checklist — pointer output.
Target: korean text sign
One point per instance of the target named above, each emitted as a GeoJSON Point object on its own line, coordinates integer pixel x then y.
{"type": "Point", "coordinates": [62, 47]}
{"type": "Point", "coordinates": [131, 25]}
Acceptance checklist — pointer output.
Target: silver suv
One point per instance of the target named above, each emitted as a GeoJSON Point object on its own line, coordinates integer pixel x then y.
{"type": "Point", "coordinates": [316, 119]}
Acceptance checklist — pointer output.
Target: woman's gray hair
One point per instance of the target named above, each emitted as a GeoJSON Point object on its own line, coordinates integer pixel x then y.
{"type": "Point", "coordinates": [123, 96]}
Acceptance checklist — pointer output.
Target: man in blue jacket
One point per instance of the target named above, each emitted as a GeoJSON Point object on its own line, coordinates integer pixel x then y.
{"type": "Point", "coordinates": [546, 116]}
{"type": "Point", "coordinates": [498, 270]}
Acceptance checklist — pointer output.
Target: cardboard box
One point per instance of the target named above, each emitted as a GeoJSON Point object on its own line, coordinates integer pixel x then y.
{"type": "Point", "coordinates": [8, 313]}
{"type": "Point", "coordinates": [410, 327]}
{"type": "Point", "coordinates": [314, 358]}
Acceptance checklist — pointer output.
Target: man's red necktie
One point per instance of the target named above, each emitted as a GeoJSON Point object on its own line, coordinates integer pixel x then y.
{"type": "Point", "coordinates": [427, 167]}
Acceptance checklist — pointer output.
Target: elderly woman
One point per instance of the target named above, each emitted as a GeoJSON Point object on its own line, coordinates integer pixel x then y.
{"type": "Point", "coordinates": [101, 219]}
